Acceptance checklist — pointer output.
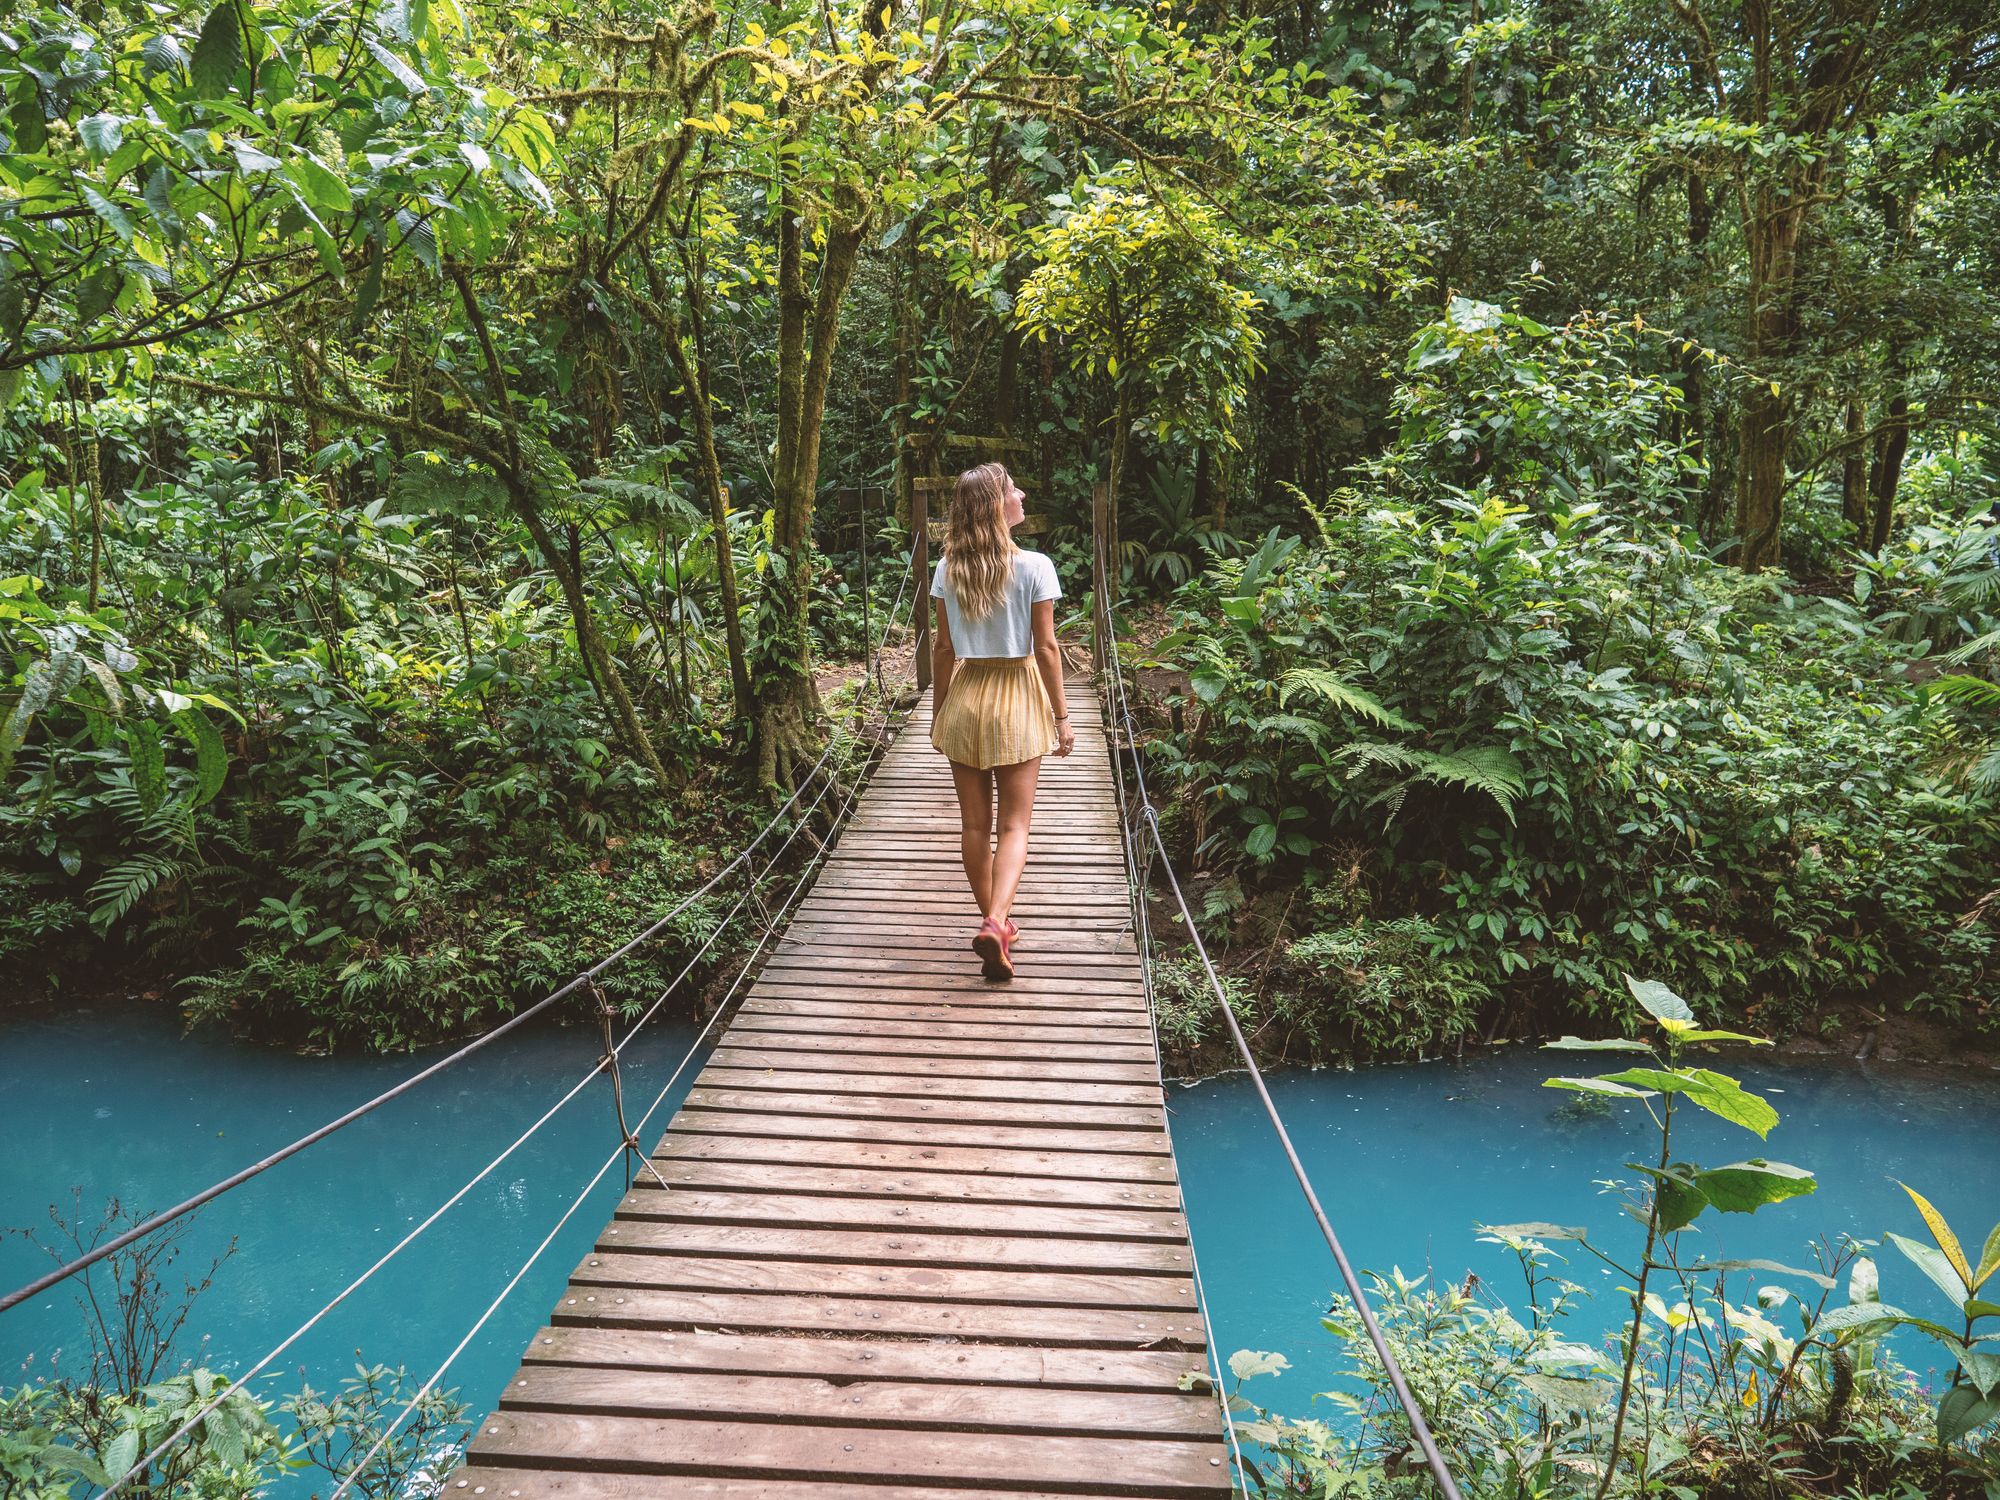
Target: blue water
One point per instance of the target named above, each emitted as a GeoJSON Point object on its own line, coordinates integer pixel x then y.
{"type": "Point", "coordinates": [113, 1101]}
{"type": "Point", "coordinates": [1407, 1160]}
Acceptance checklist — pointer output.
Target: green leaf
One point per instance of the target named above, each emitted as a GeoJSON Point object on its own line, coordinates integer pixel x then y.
{"type": "Point", "coordinates": [1596, 1086]}
{"type": "Point", "coordinates": [1724, 1036]}
{"type": "Point", "coordinates": [1964, 1410]}
{"type": "Point", "coordinates": [1982, 1369]}
{"type": "Point", "coordinates": [1717, 1093]}
{"type": "Point", "coordinates": [322, 188]}
{"type": "Point", "coordinates": [1595, 1044]}
{"type": "Point", "coordinates": [1745, 1186]}
{"type": "Point", "coordinates": [1245, 1363]}
{"type": "Point", "coordinates": [1661, 1003]}
{"type": "Point", "coordinates": [121, 1454]}
{"type": "Point", "coordinates": [101, 133]}
{"type": "Point", "coordinates": [1533, 1229]}
{"type": "Point", "coordinates": [218, 53]}
{"type": "Point", "coordinates": [1770, 1267]}
{"type": "Point", "coordinates": [1989, 1259]}
{"type": "Point", "coordinates": [109, 212]}
{"type": "Point", "coordinates": [401, 71]}
{"type": "Point", "coordinates": [1857, 1317]}
{"type": "Point", "coordinates": [1934, 1265]}
{"type": "Point", "coordinates": [211, 760]}
{"type": "Point", "coordinates": [149, 765]}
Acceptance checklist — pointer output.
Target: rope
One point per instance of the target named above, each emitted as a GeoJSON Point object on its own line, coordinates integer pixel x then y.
{"type": "Point", "coordinates": [790, 901]}
{"type": "Point", "coordinates": [609, 1061]}
{"type": "Point", "coordinates": [1419, 1428]}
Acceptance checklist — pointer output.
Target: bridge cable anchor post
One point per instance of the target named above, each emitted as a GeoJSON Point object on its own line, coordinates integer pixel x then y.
{"type": "Point", "coordinates": [607, 1016]}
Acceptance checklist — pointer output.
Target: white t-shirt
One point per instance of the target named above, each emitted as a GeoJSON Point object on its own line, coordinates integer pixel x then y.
{"type": "Point", "coordinates": [1009, 630]}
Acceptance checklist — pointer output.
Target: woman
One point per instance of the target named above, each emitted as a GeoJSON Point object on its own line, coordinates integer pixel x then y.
{"type": "Point", "coordinates": [999, 705]}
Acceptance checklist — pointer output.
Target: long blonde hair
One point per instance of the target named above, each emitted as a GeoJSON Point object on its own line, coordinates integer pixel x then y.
{"type": "Point", "coordinates": [978, 544]}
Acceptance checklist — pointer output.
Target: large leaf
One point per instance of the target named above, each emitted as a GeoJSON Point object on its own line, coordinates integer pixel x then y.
{"type": "Point", "coordinates": [1946, 1240]}
{"type": "Point", "coordinates": [1934, 1265]}
{"type": "Point", "coordinates": [1964, 1410]}
{"type": "Point", "coordinates": [149, 765]}
{"type": "Point", "coordinates": [1661, 1003]}
{"type": "Point", "coordinates": [1247, 1362]}
{"type": "Point", "coordinates": [211, 761]}
{"type": "Point", "coordinates": [1769, 1267]}
{"type": "Point", "coordinates": [1596, 1086]}
{"type": "Point", "coordinates": [1596, 1044]}
{"type": "Point", "coordinates": [1856, 1317]}
{"type": "Point", "coordinates": [1745, 1186]}
{"type": "Point", "coordinates": [1534, 1229]}
{"type": "Point", "coordinates": [218, 53]}
{"type": "Point", "coordinates": [1717, 1093]}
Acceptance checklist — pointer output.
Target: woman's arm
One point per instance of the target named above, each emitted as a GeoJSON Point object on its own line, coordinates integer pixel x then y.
{"type": "Point", "coordinates": [942, 659]}
{"type": "Point", "coordinates": [1048, 658]}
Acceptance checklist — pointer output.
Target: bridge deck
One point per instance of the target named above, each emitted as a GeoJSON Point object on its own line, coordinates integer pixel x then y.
{"type": "Point", "coordinates": [921, 1234]}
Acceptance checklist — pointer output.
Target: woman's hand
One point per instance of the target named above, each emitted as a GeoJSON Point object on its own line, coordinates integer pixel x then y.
{"type": "Point", "coordinates": [1065, 736]}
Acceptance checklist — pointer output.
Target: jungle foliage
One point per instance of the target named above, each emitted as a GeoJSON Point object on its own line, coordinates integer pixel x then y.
{"type": "Point", "coordinates": [440, 444]}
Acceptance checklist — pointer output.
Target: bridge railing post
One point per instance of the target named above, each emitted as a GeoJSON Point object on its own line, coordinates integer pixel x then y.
{"type": "Point", "coordinates": [1100, 596]}
{"type": "Point", "coordinates": [920, 565]}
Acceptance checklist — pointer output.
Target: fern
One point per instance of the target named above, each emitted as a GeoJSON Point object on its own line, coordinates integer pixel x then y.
{"type": "Point", "coordinates": [128, 883]}
{"type": "Point", "coordinates": [1342, 694]}
{"type": "Point", "coordinates": [1490, 769]}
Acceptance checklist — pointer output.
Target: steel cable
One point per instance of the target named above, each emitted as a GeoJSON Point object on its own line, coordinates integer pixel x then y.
{"type": "Point", "coordinates": [1419, 1427]}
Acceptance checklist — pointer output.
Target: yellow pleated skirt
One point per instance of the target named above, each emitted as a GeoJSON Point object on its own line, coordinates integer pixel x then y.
{"type": "Point", "coordinates": [996, 713]}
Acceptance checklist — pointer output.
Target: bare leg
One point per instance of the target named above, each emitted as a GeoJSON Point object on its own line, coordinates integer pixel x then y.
{"type": "Point", "coordinates": [1010, 850]}
{"type": "Point", "coordinates": [975, 829]}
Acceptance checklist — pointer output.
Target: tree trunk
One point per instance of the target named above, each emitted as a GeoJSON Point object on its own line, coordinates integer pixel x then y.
{"type": "Point", "coordinates": [808, 329]}
{"type": "Point", "coordinates": [1887, 471]}
{"type": "Point", "coordinates": [1854, 472]}
{"type": "Point", "coordinates": [1773, 235]}
{"type": "Point", "coordinates": [1121, 437]}
{"type": "Point", "coordinates": [694, 380]}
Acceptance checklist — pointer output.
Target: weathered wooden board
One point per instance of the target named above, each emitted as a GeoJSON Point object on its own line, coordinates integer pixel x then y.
{"type": "Point", "coordinates": [915, 1235]}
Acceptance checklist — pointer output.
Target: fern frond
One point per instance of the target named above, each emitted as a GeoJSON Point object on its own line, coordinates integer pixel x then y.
{"type": "Point", "coordinates": [126, 884]}
{"type": "Point", "coordinates": [1489, 769]}
{"type": "Point", "coordinates": [1331, 688]}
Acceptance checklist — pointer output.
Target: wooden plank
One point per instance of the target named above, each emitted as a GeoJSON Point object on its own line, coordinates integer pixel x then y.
{"type": "Point", "coordinates": [604, 1269]}
{"type": "Point", "coordinates": [844, 1360]}
{"type": "Point", "coordinates": [744, 1052]}
{"type": "Point", "coordinates": [903, 1405]}
{"type": "Point", "coordinates": [864, 1106]}
{"type": "Point", "coordinates": [1114, 1466]}
{"type": "Point", "coordinates": [983, 1251]}
{"type": "Point", "coordinates": [973, 1012]}
{"type": "Point", "coordinates": [811, 1211]}
{"type": "Point", "coordinates": [863, 1037]}
{"type": "Point", "coordinates": [1023, 1091]}
{"type": "Point", "coordinates": [793, 1125]}
{"type": "Point", "coordinates": [1002, 1323]}
{"type": "Point", "coordinates": [1091, 1166]}
{"type": "Point", "coordinates": [875, 1182]}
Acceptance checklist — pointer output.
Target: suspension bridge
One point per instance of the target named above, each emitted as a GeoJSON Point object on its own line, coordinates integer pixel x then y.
{"type": "Point", "coordinates": [910, 1234]}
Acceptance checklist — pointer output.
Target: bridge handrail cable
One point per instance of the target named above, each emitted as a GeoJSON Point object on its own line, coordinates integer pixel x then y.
{"type": "Point", "coordinates": [1104, 621]}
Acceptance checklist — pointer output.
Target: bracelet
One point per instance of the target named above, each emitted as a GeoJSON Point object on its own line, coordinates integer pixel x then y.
{"type": "Point", "coordinates": [1062, 718]}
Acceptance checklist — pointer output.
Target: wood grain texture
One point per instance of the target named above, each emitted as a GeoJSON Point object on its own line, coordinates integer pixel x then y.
{"type": "Point", "coordinates": [917, 1236]}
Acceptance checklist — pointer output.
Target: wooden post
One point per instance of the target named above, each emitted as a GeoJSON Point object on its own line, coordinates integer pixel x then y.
{"type": "Point", "coordinates": [920, 564]}
{"type": "Point", "coordinates": [1100, 600]}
